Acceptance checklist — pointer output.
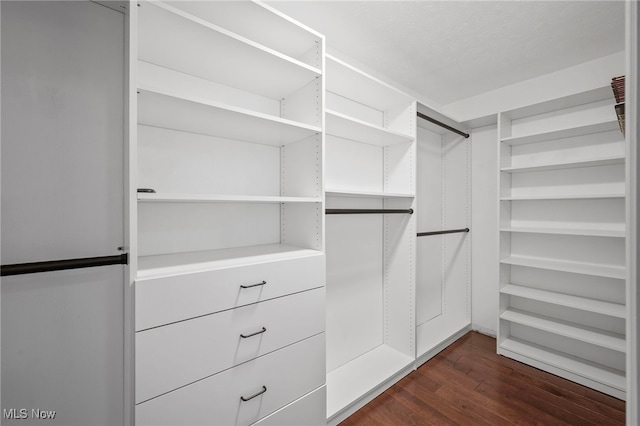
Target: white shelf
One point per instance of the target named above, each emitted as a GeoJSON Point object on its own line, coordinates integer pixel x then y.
{"type": "Point", "coordinates": [343, 126]}
{"type": "Point", "coordinates": [175, 39]}
{"type": "Point", "coordinates": [599, 270]}
{"type": "Point", "coordinates": [181, 263]}
{"type": "Point", "coordinates": [562, 197]}
{"type": "Point", "coordinates": [204, 198]}
{"type": "Point", "coordinates": [583, 333]}
{"type": "Point", "coordinates": [567, 300]}
{"type": "Point", "coordinates": [568, 231]}
{"type": "Point", "coordinates": [167, 109]}
{"type": "Point", "coordinates": [570, 132]}
{"type": "Point", "coordinates": [352, 83]}
{"type": "Point", "coordinates": [365, 194]}
{"type": "Point", "coordinates": [578, 366]}
{"type": "Point", "coordinates": [354, 380]}
{"type": "Point", "coordinates": [617, 159]}
{"type": "Point", "coordinates": [256, 21]}
{"type": "Point", "coordinates": [594, 95]}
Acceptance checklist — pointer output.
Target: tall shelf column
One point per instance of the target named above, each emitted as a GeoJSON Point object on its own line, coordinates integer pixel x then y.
{"type": "Point", "coordinates": [371, 157]}
{"type": "Point", "coordinates": [562, 239]}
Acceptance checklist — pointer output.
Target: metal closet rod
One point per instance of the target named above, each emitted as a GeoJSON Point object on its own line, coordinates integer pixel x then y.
{"type": "Point", "coordinates": [60, 265]}
{"type": "Point", "coordinates": [441, 124]}
{"type": "Point", "coordinates": [447, 231]}
{"type": "Point", "coordinates": [369, 211]}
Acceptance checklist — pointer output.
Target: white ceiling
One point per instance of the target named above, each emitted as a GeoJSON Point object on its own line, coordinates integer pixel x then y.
{"type": "Point", "coordinates": [451, 50]}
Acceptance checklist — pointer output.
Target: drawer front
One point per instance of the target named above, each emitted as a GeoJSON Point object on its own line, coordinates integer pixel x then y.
{"type": "Point", "coordinates": [310, 410]}
{"type": "Point", "coordinates": [169, 299]}
{"type": "Point", "coordinates": [286, 374]}
{"type": "Point", "coordinates": [178, 354]}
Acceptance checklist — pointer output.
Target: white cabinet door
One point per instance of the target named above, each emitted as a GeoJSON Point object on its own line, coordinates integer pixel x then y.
{"type": "Point", "coordinates": [62, 198]}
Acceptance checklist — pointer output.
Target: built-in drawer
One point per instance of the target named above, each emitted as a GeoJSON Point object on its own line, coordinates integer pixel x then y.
{"type": "Point", "coordinates": [175, 355]}
{"type": "Point", "coordinates": [310, 410]}
{"type": "Point", "coordinates": [243, 394]}
{"type": "Point", "coordinates": [163, 300]}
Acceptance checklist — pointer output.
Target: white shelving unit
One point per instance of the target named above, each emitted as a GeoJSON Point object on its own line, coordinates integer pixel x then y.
{"type": "Point", "coordinates": [229, 147]}
{"type": "Point", "coordinates": [562, 239]}
{"type": "Point", "coordinates": [217, 131]}
{"type": "Point", "coordinates": [370, 164]}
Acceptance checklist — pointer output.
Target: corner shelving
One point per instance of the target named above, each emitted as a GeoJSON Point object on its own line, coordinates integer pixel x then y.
{"type": "Point", "coordinates": [370, 164]}
{"type": "Point", "coordinates": [562, 239]}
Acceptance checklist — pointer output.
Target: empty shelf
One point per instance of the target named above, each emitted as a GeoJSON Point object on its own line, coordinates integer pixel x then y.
{"type": "Point", "coordinates": [567, 300]}
{"type": "Point", "coordinates": [343, 126]}
{"type": "Point", "coordinates": [204, 198]}
{"type": "Point", "coordinates": [365, 194]}
{"type": "Point", "coordinates": [180, 263]}
{"type": "Point", "coordinates": [609, 271]}
{"type": "Point", "coordinates": [561, 197]}
{"type": "Point", "coordinates": [163, 108]}
{"type": "Point", "coordinates": [583, 333]}
{"type": "Point", "coordinates": [563, 133]}
{"type": "Point", "coordinates": [617, 159]}
{"type": "Point", "coordinates": [568, 231]}
{"type": "Point", "coordinates": [173, 38]}
{"type": "Point", "coordinates": [351, 83]}
{"type": "Point", "coordinates": [613, 378]}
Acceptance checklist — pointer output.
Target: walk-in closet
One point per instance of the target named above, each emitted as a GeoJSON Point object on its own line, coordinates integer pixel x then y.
{"type": "Point", "coordinates": [299, 213]}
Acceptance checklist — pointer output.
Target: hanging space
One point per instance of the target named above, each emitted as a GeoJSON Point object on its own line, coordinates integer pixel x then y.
{"type": "Point", "coordinates": [370, 233]}
{"type": "Point", "coordinates": [443, 261]}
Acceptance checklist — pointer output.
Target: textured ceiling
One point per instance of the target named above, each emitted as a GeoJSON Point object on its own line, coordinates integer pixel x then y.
{"type": "Point", "coordinates": [450, 50]}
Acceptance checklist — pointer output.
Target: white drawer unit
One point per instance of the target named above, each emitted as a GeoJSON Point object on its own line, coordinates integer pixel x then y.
{"type": "Point", "coordinates": [178, 354]}
{"type": "Point", "coordinates": [243, 394]}
{"type": "Point", "coordinates": [164, 300]}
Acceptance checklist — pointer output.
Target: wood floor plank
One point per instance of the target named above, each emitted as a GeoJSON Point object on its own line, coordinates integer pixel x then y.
{"type": "Point", "coordinates": [468, 383]}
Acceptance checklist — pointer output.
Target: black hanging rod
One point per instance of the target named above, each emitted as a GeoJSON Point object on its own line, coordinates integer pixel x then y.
{"type": "Point", "coordinates": [441, 124]}
{"type": "Point", "coordinates": [59, 265]}
{"type": "Point", "coordinates": [448, 231]}
{"type": "Point", "coordinates": [368, 211]}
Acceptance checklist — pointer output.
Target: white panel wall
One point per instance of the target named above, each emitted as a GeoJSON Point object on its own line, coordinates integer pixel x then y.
{"type": "Point", "coordinates": [429, 260]}
{"type": "Point", "coordinates": [484, 226]}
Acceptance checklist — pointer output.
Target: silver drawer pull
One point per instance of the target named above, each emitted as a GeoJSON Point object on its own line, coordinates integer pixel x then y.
{"type": "Point", "coordinates": [264, 389]}
{"type": "Point", "coordinates": [253, 334]}
{"type": "Point", "coordinates": [253, 285]}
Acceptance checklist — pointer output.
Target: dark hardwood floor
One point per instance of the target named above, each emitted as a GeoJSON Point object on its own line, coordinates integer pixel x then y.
{"type": "Point", "coordinates": [469, 384]}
